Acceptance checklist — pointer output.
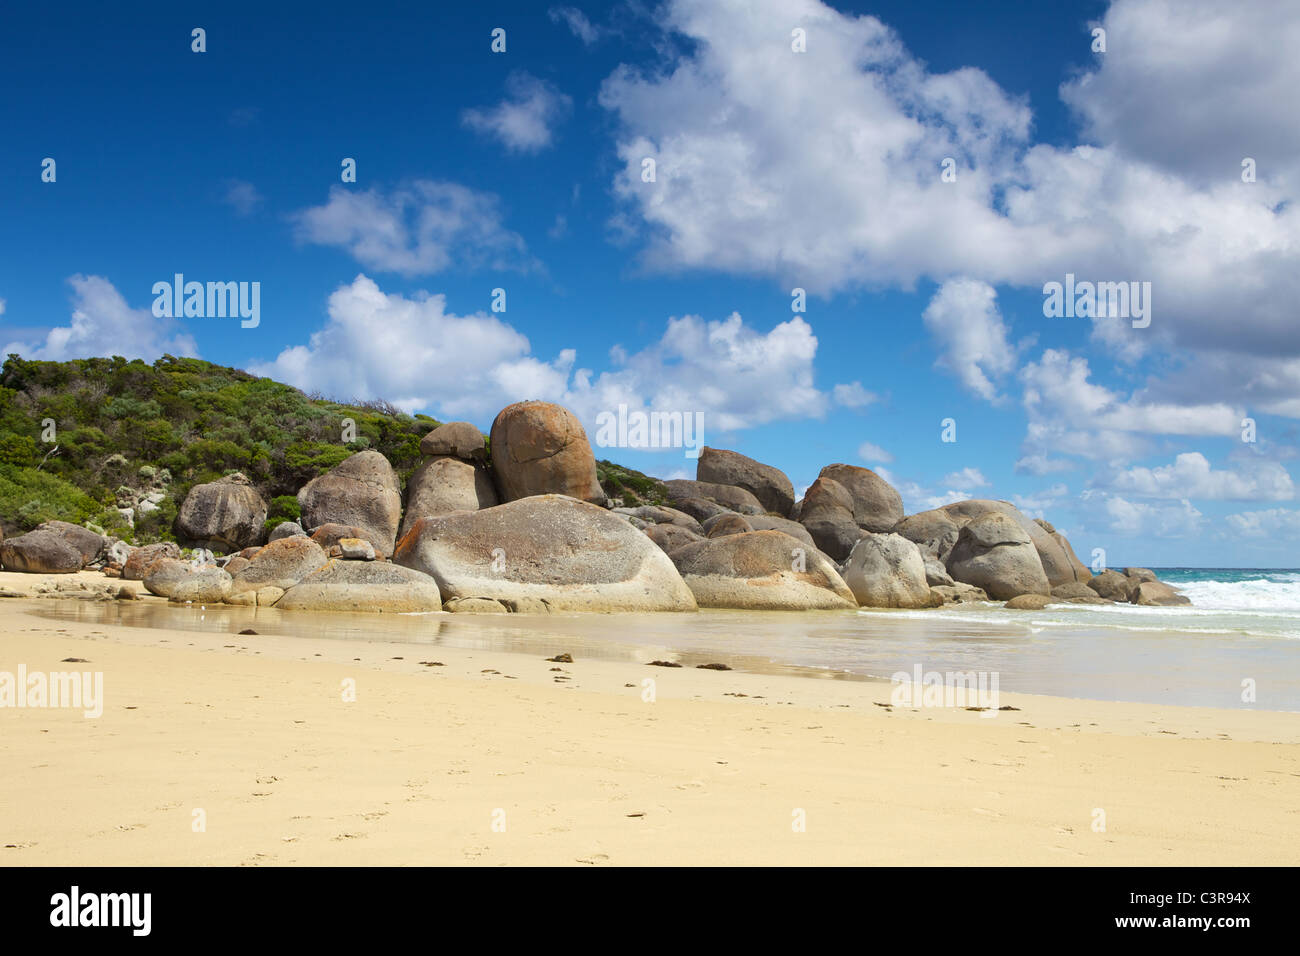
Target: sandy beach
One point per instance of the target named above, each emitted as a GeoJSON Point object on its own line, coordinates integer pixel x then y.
{"type": "Point", "coordinates": [450, 755]}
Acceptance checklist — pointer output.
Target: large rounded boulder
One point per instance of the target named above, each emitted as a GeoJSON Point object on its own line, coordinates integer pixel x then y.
{"type": "Point", "coordinates": [934, 531]}
{"type": "Point", "coordinates": [877, 506]}
{"type": "Point", "coordinates": [281, 564]}
{"type": "Point", "coordinates": [539, 448]}
{"type": "Point", "coordinates": [887, 570]}
{"type": "Point", "coordinates": [225, 515]}
{"type": "Point", "coordinates": [457, 439]}
{"type": "Point", "coordinates": [769, 485]}
{"type": "Point", "coordinates": [761, 571]}
{"type": "Point", "coordinates": [445, 484]}
{"type": "Point", "coordinates": [573, 554]}
{"type": "Point", "coordinates": [140, 559]}
{"type": "Point", "coordinates": [361, 586]}
{"type": "Point", "coordinates": [40, 552]}
{"type": "Point", "coordinates": [995, 552]}
{"type": "Point", "coordinates": [827, 515]}
{"type": "Point", "coordinates": [1059, 563]}
{"type": "Point", "coordinates": [682, 492]}
{"type": "Point", "coordinates": [362, 491]}
{"type": "Point", "coordinates": [165, 574]}
{"type": "Point", "coordinates": [87, 542]}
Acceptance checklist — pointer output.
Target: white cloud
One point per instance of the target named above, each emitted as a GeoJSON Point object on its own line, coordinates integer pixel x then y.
{"type": "Point", "coordinates": [737, 119]}
{"type": "Point", "coordinates": [1228, 69]}
{"type": "Point", "coordinates": [577, 22]}
{"type": "Point", "coordinates": [525, 119]}
{"type": "Point", "coordinates": [103, 324]}
{"type": "Point", "coordinates": [874, 454]}
{"type": "Point", "coordinates": [966, 478]}
{"type": "Point", "coordinates": [853, 395]}
{"type": "Point", "coordinates": [963, 316]}
{"type": "Point", "coordinates": [413, 352]}
{"type": "Point", "coordinates": [1142, 519]}
{"type": "Point", "coordinates": [1037, 504]}
{"type": "Point", "coordinates": [736, 375]}
{"type": "Point", "coordinates": [1040, 465]}
{"type": "Point", "coordinates": [242, 196]}
{"type": "Point", "coordinates": [419, 229]}
{"type": "Point", "coordinates": [1272, 523]}
{"type": "Point", "coordinates": [1069, 413]}
{"type": "Point", "coordinates": [918, 497]}
{"type": "Point", "coordinates": [1191, 476]}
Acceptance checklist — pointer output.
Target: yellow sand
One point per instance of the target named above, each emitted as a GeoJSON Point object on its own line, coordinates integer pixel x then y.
{"type": "Point", "coordinates": [488, 760]}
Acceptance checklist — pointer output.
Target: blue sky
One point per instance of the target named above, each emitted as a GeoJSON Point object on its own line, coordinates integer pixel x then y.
{"type": "Point", "coordinates": [775, 169]}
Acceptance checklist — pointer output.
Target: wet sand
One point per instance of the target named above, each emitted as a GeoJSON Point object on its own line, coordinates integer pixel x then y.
{"type": "Point", "coordinates": [455, 753]}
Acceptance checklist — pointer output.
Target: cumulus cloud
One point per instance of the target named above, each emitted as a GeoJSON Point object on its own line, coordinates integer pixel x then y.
{"type": "Point", "coordinates": [1071, 414]}
{"type": "Point", "coordinates": [921, 497]}
{"type": "Point", "coordinates": [577, 22]}
{"type": "Point", "coordinates": [1037, 504]}
{"type": "Point", "coordinates": [416, 354]}
{"type": "Point", "coordinates": [874, 454]}
{"type": "Point", "coordinates": [759, 171]}
{"type": "Point", "coordinates": [733, 373]}
{"type": "Point", "coordinates": [967, 478]}
{"type": "Point", "coordinates": [524, 121]}
{"type": "Point", "coordinates": [853, 395]}
{"type": "Point", "coordinates": [963, 316]}
{"type": "Point", "coordinates": [1191, 476]}
{"type": "Point", "coordinates": [242, 196]}
{"type": "Point", "coordinates": [1121, 516]}
{"type": "Point", "coordinates": [104, 324]}
{"type": "Point", "coordinates": [411, 351]}
{"type": "Point", "coordinates": [418, 229]}
{"type": "Point", "coordinates": [1271, 523]}
{"type": "Point", "coordinates": [1228, 70]}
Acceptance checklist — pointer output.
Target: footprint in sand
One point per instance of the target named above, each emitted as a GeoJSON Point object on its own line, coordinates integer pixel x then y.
{"type": "Point", "coordinates": [594, 859]}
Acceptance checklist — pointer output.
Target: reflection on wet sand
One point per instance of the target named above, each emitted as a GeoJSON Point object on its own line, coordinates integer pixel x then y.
{"type": "Point", "coordinates": [1087, 662]}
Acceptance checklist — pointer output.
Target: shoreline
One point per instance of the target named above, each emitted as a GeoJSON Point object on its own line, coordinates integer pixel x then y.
{"type": "Point", "coordinates": [253, 731]}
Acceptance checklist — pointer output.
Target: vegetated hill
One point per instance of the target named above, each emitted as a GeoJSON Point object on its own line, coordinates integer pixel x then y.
{"type": "Point", "coordinates": [127, 431]}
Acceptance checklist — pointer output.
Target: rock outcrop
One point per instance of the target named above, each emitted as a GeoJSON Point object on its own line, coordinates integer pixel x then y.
{"type": "Point", "coordinates": [761, 571]}
{"type": "Point", "coordinates": [995, 552]}
{"type": "Point", "coordinates": [40, 552]}
{"type": "Point", "coordinates": [281, 564]}
{"type": "Point", "coordinates": [445, 484]}
{"type": "Point", "coordinates": [139, 560]}
{"type": "Point", "coordinates": [682, 491]}
{"type": "Point", "coordinates": [225, 515]}
{"type": "Point", "coordinates": [827, 514]}
{"type": "Point", "coordinates": [541, 449]}
{"type": "Point", "coordinates": [769, 485]}
{"type": "Point", "coordinates": [887, 570]}
{"type": "Point", "coordinates": [89, 543]}
{"type": "Point", "coordinates": [573, 554]}
{"type": "Point", "coordinates": [877, 506]}
{"type": "Point", "coordinates": [457, 439]}
{"type": "Point", "coordinates": [363, 586]}
{"type": "Point", "coordinates": [361, 491]}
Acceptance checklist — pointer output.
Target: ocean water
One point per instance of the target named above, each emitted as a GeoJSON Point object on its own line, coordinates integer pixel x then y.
{"type": "Point", "coordinates": [1243, 629]}
{"type": "Point", "coordinates": [1226, 602]}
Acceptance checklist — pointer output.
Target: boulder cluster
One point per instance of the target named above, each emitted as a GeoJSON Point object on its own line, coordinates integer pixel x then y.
{"type": "Point", "coordinates": [519, 524]}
